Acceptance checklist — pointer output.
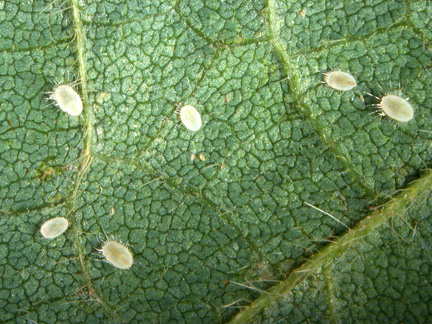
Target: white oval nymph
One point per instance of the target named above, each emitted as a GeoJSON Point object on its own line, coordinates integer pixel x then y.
{"type": "Point", "coordinates": [396, 108]}
{"type": "Point", "coordinates": [68, 100]}
{"type": "Point", "coordinates": [191, 118]}
{"type": "Point", "coordinates": [54, 227]}
{"type": "Point", "coordinates": [117, 254]}
{"type": "Point", "coordinates": [340, 80]}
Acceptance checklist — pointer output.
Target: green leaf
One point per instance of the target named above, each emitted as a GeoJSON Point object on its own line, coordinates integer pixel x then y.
{"type": "Point", "coordinates": [293, 203]}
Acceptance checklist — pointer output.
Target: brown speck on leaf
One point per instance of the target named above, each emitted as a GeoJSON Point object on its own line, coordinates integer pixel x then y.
{"type": "Point", "coordinates": [47, 173]}
{"type": "Point", "coordinates": [84, 152]}
{"type": "Point", "coordinates": [374, 207]}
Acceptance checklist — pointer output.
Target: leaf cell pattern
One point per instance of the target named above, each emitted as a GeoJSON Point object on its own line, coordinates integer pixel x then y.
{"type": "Point", "coordinates": [245, 220]}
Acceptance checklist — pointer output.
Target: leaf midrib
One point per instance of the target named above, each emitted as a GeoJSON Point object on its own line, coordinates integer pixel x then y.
{"type": "Point", "coordinates": [86, 161]}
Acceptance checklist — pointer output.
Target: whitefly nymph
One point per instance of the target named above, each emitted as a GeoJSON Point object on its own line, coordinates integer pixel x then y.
{"type": "Point", "coordinates": [396, 108]}
{"type": "Point", "coordinates": [117, 254]}
{"type": "Point", "coordinates": [190, 117]}
{"type": "Point", "coordinates": [54, 227]}
{"type": "Point", "coordinates": [340, 80]}
{"type": "Point", "coordinates": [67, 99]}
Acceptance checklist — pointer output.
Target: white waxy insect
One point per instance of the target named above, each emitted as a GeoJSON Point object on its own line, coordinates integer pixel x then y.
{"type": "Point", "coordinates": [190, 117]}
{"type": "Point", "coordinates": [68, 100]}
{"type": "Point", "coordinates": [396, 108]}
{"type": "Point", "coordinates": [340, 80]}
{"type": "Point", "coordinates": [54, 227]}
{"type": "Point", "coordinates": [117, 254]}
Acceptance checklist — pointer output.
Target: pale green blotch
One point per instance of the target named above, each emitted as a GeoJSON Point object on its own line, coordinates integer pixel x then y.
{"type": "Point", "coordinates": [68, 100]}
{"type": "Point", "coordinates": [117, 254]}
{"type": "Point", "coordinates": [396, 108]}
{"type": "Point", "coordinates": [340, 80]}
{"type": "Point", "coordinates": [54, 227]}
{"type": "Point", "coordinates": [191, 118]}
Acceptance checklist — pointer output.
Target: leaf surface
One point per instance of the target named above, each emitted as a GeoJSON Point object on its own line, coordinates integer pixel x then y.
{"type": "Point", "coordinates": [293, 202]}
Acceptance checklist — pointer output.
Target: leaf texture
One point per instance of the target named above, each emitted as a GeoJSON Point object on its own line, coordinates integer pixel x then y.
{"type": "Point", "coordinates": [293, 203]}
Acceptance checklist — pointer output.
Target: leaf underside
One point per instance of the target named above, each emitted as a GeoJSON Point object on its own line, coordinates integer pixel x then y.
{"type": "Point", "coordinates": [293, 203]}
